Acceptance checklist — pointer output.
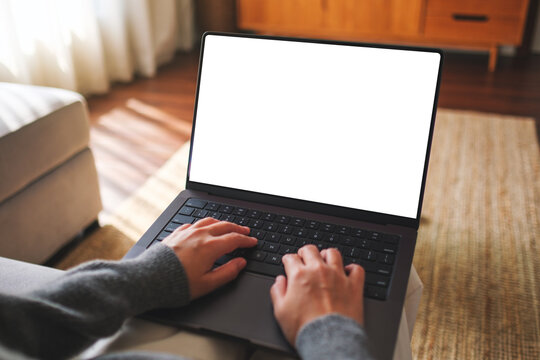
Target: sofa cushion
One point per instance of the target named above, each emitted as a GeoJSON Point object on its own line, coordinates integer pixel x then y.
{"type": "Point", "coordinates": [40, 128]}
{"type": "Point", "coordinates": [48, 213]}
{"type": "Point", "coordinates": [19, 277]}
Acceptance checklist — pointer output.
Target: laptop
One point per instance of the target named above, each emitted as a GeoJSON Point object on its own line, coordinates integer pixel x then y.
{"type": "Point", "coordinates": [306, 142]}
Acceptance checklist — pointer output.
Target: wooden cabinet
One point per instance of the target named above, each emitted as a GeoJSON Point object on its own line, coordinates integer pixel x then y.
{"type": "Point", "coordinates": [469, 24]}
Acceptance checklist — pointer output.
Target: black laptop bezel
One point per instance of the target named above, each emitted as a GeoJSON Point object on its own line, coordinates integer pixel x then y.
{"type": "Point", "coordinates": [355, 214]}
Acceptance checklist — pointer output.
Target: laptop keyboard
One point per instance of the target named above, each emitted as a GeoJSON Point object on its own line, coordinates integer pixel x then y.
{"type": "Point", "coordinates": [279, 235]}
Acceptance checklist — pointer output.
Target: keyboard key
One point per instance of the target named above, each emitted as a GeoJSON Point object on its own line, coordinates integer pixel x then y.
{"type": "Point", "coordinates": [347, 240]}
{"type": "Point", "coordinates": [172, 226]}
{"type": "Point", "coordinates": [385, 247]}
{"type": "Point", "coordinates": [355, 261]}
{"type": "Point", "coordinates": [162, 235]}
{"type": "Point", "coordinates": [387, 259]}
{"type": "Point", "coordinates": [244, 221]}
{"type": "Point", "coordinates": [375, 236]}
{"type": "Point", "coordinates": [301, 242]}
{"type": "Point", "coordinates": [286, 229]}
{"type": "Point", "coordinates": [186, 210]}
{"type": "Point", "coordinates": [257, 255]}
{"type": "Point", "coordinates": [373, 279]}
{"type": "Point", "coordinates": [297, 222]}
{"type": "Point", "coordinates": [200, 213]}
{"type": "Point", "coordinates": [352, 252]}
{"type": "Point", "coordinates": [268, 217]}
{"type": "Point", "coordinates": [255, 214]}
{"type": "Point", "coordinates": [364, 244]}
{"type": "Point", "coordinates": [271, 247]}
{"type": "Point", "coordinates": [376, 292]}
{"type": "Point", "coordinates": [288, 240]}
{"type": "Point", "coordinates": [272, 237]}
{"type": "Point", "coordinates": [328, 227]}
{"type": "Point", "coordinates": [269, 226]}
{"type": "Point", "coordinates": [196, 203]}
{"type": "Point", "coordinates": [259, 234]}
{"type": "Point", "coordinates": [282, 219]}
{"type": "Point", "coordinates": [383, 269]}
{"type": "Point", "coordinates": [212, 207]}
{"type": "Point", "coordinates": [229, 218]}
{"type": "Point", "coordinates": [316, 235]}
{"type": "Point", "coordinates": [366, 234]}
{"type": "Point", "coordinates": [215, 215]}
{"type": "Point", "coordinates": [357, 232]}
{"type": "Point", "coordinates": [256, 224]}
{"type": "Point", "coordinates": [314, 225]}
{"type": "Point", "coordinates": [182, 219]}
{"type": "Point", "coordinates": [332, 238]}
{"type": "Point", "coordinates": [286, 249]}
{"type": "Point", "coordinates": [370, 266]}
{"type": "Point", "coordinates": [356, 253]}
{"type": "Point", "coordinates": [300, 232]}
{"type": "Point", "coordinates": [227, 209]}
{"type": "Point", "coordinates": [343, 230]}
{"type": "Point", "coordinates": [240, 211]}
{"type": "Point", "coordinates": [273, 259]}
{"type": "Point", "coordinates": [369, 255]}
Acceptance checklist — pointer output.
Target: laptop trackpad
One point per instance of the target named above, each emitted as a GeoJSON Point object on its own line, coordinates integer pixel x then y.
{"type": "Point", "coordinates": [242, 308]}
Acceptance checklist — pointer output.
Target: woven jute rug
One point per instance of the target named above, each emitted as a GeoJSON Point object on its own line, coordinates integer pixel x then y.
{"type": "Point", "coordinates": [477, 251]}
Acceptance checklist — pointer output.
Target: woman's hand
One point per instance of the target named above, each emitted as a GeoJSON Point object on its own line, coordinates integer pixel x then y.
{"type": "Point", "coordinates": [198, 246]}
{"type": "Point", "coordinates": [316, 285]}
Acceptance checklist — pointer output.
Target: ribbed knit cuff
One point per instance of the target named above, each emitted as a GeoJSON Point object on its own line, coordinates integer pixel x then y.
{"type": "Point", "coordinates": [332, 336]}
{"type": "Point", "coordinates": [161, 278]}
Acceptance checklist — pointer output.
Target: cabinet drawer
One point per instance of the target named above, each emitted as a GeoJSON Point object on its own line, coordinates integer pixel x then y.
{"type": "Point", "coordinates": [474, 29]}
{"type": "Point", "coordinates": [497, 8]}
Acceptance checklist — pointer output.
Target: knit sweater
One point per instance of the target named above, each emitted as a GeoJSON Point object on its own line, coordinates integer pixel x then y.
{"type": "Point", "coordinates": [92, 301]}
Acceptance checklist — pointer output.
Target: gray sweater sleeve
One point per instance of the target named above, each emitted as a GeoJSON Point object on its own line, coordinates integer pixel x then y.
{"type": "Point", "coordinates": [332, 337]}
{"type": "Point", "coordinates": [89, 302]}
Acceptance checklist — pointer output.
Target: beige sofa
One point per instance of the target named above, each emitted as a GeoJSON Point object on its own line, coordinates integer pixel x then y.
{"type": "Point", "coordinates": [48, 182]}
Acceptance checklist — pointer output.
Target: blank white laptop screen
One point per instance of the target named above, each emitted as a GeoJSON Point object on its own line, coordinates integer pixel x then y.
{"type": "Point", "coordinates": [334, 124]}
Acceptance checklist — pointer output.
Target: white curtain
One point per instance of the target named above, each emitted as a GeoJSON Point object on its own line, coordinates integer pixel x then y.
{"type": "Point", "coordinates": [84, 45]}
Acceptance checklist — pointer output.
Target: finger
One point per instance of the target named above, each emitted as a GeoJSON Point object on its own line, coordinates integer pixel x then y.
{"type": "Point", "coordinates": [183, 227]}
{"type": "Point", "coordinates": [291, 262]}
{"type": "Point", "coordinates": [334, 259]}
{"type": "Point", "coordinates": [205, 222]}
{"type": "Point", "coordinates": [224, 273]}
{"type": "Point", "coordinates": [310, 254]}
{"type": "Point", "coordinates": [356, 274]}
{"type": "Point", "coordinates": [226, 243]}
{"type": "Point", "coordinates": [224, 227]}
{"type": "Point", "coordinates": [278, 290]}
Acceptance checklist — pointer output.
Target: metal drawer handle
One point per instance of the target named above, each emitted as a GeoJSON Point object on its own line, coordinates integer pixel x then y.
{"type": "Point", "coordinates": [467, 17]}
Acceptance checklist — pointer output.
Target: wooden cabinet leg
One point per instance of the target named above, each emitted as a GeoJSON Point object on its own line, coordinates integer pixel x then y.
{"type": "Point", "coordinates": [493, 53]}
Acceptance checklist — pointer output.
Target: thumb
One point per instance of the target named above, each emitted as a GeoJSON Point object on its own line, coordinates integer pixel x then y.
{"type": "Point", "coordinates": [224, 273]}
{"type": "Point", "coordinates": [277, 291]}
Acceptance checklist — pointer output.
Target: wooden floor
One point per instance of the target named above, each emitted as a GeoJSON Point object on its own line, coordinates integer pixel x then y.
{"type": "Point", "coordinates": [136, 127]}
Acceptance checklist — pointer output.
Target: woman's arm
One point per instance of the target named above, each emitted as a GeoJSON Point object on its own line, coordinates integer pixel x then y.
{"type": "Point", "coordinates": [89, 302]}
